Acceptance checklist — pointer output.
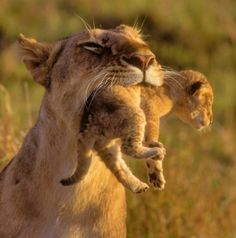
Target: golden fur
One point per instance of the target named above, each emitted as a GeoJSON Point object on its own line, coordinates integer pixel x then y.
{"type": "Point", "coordinates": [115, 114]}
{"type": "Point", "coordinates": [33, 203]}
{"type": "Point", "coordinates": [118, 114]}
{"type": "Point", "coordinates": [188, 94]}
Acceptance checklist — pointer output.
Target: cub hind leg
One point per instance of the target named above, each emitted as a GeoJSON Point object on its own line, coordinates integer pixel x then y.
{"type": "Point", "coordinates": [155, 169]}
{"type": "Point", "coordinates": [112, 157]}
{"type": "Point", "coordinates": [155, 173]}
{"type": "Point", "coordinates": [132, 137]}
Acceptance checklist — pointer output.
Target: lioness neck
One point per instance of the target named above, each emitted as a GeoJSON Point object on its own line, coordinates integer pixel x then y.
{"type": "Point", "coordinates": [48, 154]}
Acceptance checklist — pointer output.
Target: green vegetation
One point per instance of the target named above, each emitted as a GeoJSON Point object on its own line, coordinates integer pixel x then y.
{"type": "Point", "coordinates": [200, 196]}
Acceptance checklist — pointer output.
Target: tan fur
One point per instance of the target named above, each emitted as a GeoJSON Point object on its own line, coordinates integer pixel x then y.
{"type": "Point", "coordinates": [115, 113]}
{"type": "Point", "coordinates": [33, 203]}
{"type": "Point", "coordinates": [119, 115]}
{"type": "Point", "coordinates": [188, 95]}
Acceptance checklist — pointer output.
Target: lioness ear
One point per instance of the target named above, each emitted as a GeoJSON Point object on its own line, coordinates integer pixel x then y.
{"type": "Point", "coordinates": [193, 88]}
{"type": "Point", "coordinates": [35, 55]}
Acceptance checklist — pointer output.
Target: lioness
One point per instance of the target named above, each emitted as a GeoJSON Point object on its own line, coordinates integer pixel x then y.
{"type": "Point", "coordinates": [118, 114]}
{"type": "Point", "coordinates": [33, 203]}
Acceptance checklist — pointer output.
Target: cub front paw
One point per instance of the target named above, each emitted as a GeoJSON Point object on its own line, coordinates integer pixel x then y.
{"type": "Point", "coordinates": [156, 144]}
{"type": "Point", "coordinates": [161, 151]}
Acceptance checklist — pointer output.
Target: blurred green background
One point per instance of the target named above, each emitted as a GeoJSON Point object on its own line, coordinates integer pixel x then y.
{"type": "Point", "coordinates": [199, 200]}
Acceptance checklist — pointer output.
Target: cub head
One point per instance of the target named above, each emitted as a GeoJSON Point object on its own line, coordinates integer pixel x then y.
{"type": "Point", "coordinates": [195, 107]}
{"type": "Point", "coordinates": [94, 58]}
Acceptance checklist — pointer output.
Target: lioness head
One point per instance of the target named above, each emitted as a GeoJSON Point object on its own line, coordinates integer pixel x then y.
{"type": "Point", "coordinates": [94, 57]}
{"type": "Point", "coordinates": [195, 107]}
{"type": "Point", "coordinates": [72, 68]}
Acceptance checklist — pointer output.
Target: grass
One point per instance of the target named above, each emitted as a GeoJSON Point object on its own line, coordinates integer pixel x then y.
{"type": "Point", "coordinates": [7, 138]}
{"type": "Point", "coordinates": [199, 200]}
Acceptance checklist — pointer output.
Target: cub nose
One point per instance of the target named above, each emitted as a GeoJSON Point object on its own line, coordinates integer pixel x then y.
{"type": "Point", "coordinates": [140, 61]}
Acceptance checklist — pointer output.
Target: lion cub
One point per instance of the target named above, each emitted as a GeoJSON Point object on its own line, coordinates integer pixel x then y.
{"type": "Point", "coordinates": [125, 113]}
{"type": "Point", "coordinates": [112, 115]}
{"type": "Point", "coordinates": [187, 94]}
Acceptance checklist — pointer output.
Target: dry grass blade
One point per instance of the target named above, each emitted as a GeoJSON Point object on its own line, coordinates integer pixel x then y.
{"type": "Point", "coordinates": [7, 139]}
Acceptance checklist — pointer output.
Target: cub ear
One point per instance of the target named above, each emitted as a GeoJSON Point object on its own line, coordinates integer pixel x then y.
{"type": "Point", "coordinates": [35, 56]}
{"type": "Point", "coordinates": [193, 88]}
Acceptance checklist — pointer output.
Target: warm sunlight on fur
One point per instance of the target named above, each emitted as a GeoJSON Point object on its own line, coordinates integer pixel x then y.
{"type": "Point", "coordinates": [187, 94]}
{"type": "Point", "coordinates": [33, 203]}
{"type": "Point", "coordinates": [117, 113]}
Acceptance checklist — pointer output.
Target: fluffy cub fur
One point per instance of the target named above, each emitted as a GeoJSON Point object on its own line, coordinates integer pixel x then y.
{"type": "Point", "coordinates": [187, 94]}
{"type": "Point", "coordinates": [115, 114]}
{"type": "Point", "coordinates": [125, 112]}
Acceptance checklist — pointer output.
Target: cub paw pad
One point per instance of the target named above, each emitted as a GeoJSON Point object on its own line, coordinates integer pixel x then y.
{"type": "Point", "coordinates": [141, 188]}
{"type": "Point", "coordinates": [157, 180]}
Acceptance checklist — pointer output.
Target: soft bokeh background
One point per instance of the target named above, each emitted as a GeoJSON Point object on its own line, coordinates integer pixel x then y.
{"type": "Point", "coordinates": [200, 196]}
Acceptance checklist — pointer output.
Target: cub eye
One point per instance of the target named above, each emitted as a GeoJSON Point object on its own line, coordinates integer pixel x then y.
{"type": "Point", "coordinates": [93, 47]}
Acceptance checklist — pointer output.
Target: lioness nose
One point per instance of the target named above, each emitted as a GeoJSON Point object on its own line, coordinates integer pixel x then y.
{"type": "Point", "coordinates": [140, 61]}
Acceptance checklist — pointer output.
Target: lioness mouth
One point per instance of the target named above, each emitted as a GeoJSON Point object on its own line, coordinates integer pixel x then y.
{"type": "Point", "coordinates": [86, 111]}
